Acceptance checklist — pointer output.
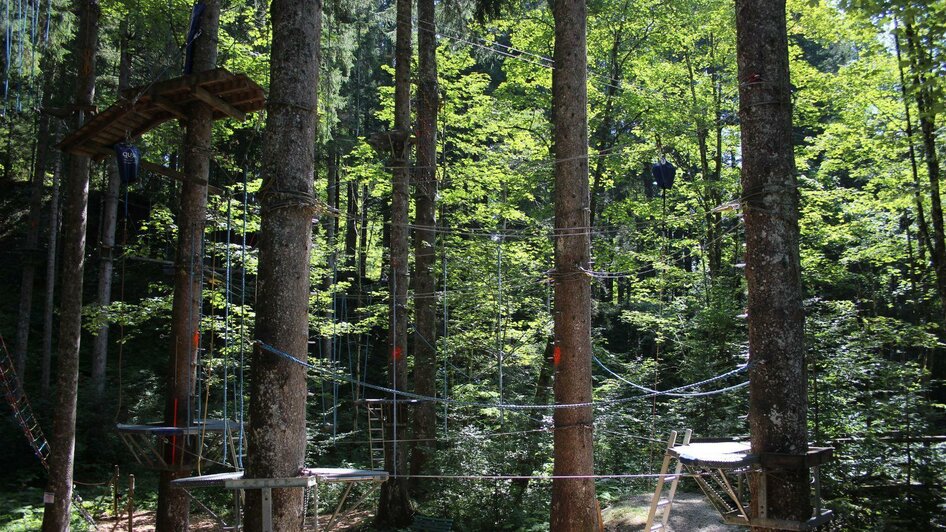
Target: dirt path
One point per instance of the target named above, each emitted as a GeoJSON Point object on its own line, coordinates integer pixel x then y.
{"type": "Point", "coordinates": [691, 513]}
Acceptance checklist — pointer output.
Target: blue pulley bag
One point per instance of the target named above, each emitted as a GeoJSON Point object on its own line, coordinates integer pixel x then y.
{"type": "Point", "coordinates": [129, 161]}
{"type": "Point", "coordinates": [664, 173]}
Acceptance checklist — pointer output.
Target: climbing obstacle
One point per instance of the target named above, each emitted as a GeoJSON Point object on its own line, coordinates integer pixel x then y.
{"type": "Point", "coordinates": [26, 419]}
{"type": "Point", "coordinates": [308, 478]}
{"type": "Point", "coordinates": [381, 413]}
{"type": "Point", "coordinates": [144, 108]}
{"type": "Point", "coordinates": [721, 468]}
{"type": "Point", "coordinates": [164, 448]}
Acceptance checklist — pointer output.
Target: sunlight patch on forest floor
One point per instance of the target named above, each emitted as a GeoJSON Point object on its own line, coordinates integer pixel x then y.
{"type": "Point", "coordinates": [691, 513]}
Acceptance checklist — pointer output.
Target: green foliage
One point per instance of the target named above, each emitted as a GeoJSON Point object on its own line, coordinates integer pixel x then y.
{"type": "Point", "coordinates": [662, 81]}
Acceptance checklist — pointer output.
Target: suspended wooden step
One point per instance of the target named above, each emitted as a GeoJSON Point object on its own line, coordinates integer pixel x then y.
{"type": "Point", "coordinates": [142, 109]}
{"type": "Point", "coordinates": [308, 478]}
{"type": "Point", "coordinates": [167, 448]}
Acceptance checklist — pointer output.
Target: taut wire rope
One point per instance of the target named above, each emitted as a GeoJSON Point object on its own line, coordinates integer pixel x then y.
{"type": "Point", "coordinates": [325, 373]}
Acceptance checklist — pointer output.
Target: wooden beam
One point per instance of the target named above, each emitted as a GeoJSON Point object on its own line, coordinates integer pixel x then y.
{"type": "Point", "coordinates": [174, 174]}
{"type": "Point", "coordinates": [168, 106]}
{"type": "Point", "coordinates": [201, 94]}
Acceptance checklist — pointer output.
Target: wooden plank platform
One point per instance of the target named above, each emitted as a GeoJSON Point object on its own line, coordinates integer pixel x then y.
{"type": "Point", "coordinates": [724, 454]}
{"type": "Point", "coordinates": [142, 109]}
{"type": "Point", "coordinates": [210, 425]}
{"type": "Point", "coordinates": [307, 477]}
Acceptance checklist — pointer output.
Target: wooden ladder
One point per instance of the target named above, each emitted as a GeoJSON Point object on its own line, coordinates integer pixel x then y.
{"type": "Point", "coordinates": [23, 413]}
{"type": "Point", "coordinates": [375, 411]}
{"type": "Point", "coordinates": [661, 502]}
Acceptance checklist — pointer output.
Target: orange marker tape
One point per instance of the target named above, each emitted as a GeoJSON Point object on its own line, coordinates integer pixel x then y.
{"type": "Point", "coordinates": [556, 355]}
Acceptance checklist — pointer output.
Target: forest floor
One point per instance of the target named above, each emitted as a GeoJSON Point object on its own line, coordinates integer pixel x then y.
{"type": "Point", "coordinates": [144, 522]}
{"type": "Point", "coordinates": [691, 513]}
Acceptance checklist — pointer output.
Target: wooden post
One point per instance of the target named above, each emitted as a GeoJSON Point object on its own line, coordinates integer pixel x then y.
{"type": "Point", "coordinates": [131, 503]}
{"type": "Point", "coordinates": [115, 494]}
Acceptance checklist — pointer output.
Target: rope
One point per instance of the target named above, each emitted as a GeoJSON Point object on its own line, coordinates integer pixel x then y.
{"type": "Point", "coordinates": [673, 391]}
{"type": "Point", "coordinates": [325, 373]}
{"type": "Point", "coordinates": [242, 320]}
{"type": "Point", "coordinates": [552, 477]}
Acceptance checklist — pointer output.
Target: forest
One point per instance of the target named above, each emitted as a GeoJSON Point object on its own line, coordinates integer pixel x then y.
{"type": "Point", "coordinates": [478, 260]}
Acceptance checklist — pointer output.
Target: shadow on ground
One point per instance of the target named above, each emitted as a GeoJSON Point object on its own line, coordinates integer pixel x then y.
{"type": "Point", "coordinates": [691, 513]}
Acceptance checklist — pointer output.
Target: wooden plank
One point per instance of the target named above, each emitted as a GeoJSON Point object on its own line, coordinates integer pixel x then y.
{"type": "Point", "coordinates": [815, 456]}
{"type": "Point", "coordinates": [169, 106]}
{"type": "Point", "coordinates": [218, 104]}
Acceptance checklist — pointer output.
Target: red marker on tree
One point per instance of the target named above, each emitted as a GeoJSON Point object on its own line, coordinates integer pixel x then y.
{"type": "Point", "coordinates": [556, 355]}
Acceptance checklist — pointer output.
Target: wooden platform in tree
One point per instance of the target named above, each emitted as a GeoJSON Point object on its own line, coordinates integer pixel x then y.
{"type": "Point", "coordinates": [142, 109]}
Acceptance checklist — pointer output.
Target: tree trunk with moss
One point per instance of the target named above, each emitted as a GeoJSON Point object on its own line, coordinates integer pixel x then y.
{"type": "Point", "coordinates": [107, 243]}
{"type": "Point", "coordinates": [573, 500]}
{"type": "Point", "coordinates": [277, 432]}
{"type": "Point", "coordinates": [62, 437]}
{"type": "Point", "coordinates": [394, 509]}
{"type": "Point", "coordinates": [778, 402]}
{"type": "Point", "coordinates": [425, 201]}
{"type": "Point", "coordinates": [180, 407]}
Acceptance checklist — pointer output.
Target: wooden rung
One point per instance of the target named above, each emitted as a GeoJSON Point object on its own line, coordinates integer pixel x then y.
{"type": "Point", "coordinates": [663, 502]}
{"type": "Point", "coordinates": [658, 526]}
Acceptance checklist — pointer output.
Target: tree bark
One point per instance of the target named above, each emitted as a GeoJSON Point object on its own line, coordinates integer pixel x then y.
{"type": "Point", "coordinates": [351, 231]}
{"type": "Point", "coordinates": [31, 247]}
{"type": "Point", "coordinates": [62, 438]}
{"type": "Point", "coordinates": [604, 139]}
{"type": "Point", "coordinates": [277, 432]}
{"type": "Point", "coordinates": [778, 402]}
{"type": "Point", "coordinates": [573, 500]}
{"type": "Point", "coordinates": [711, 197]}
{"type": "Point", "coordinates": [394, 508]}
{"type": "Point", "coordinates": [926, 107]}
{"type": "Point", "coordinates": [55, 218]}
{"type": "Point", "coordinates": [107, 243]}
{"type": "Point", "coordinates": [330, 225]}
{"type": "Point", "coordinates": [425, 198]}
{"type": "Point", "coordinates": [31, 252]}
{"type": "Point", "coordinates": [179, 409]}
{"type": "Point", "coordinates": [922, 225]}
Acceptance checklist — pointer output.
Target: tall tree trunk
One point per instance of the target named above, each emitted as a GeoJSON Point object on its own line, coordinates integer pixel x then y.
{"type": "Point", "coordinates": [330, 225]}
{"type": "Point", "coordinates": [710, 179]}
{"type": "Point", "coordinates": [62, 438]}
{"type": "Point", "coordinates": [107, 243]}
{"type": "Point", "coordinates": [351, 231]}
{"type": "Point", "coordinates": [926, 107]}
{"type": "Point", "coordinates": [778, 402]}
{"type": "Point", "coordinates": [277, 435]}
{"type": "Point", "coordinates": [179, 408]}
{"type": "Point", "coordinates": [573, 500]}
{"type": "Point", "coordinates": [604, 139]}
{"type": "Point", "coordinates": [425, 177]}
{"type": "Point", "coordinates": [363, 238]}
{"type": "Point", "coordinates": [31, 253]}
{"type": "Point", "coordinates": [922, 225]}
{"type": "Point", "coordinates": [55, 219]}
{"type": "Point", "coordinates": [531, 456]}
{"type": "Point", "coordinates": [394, 508]}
